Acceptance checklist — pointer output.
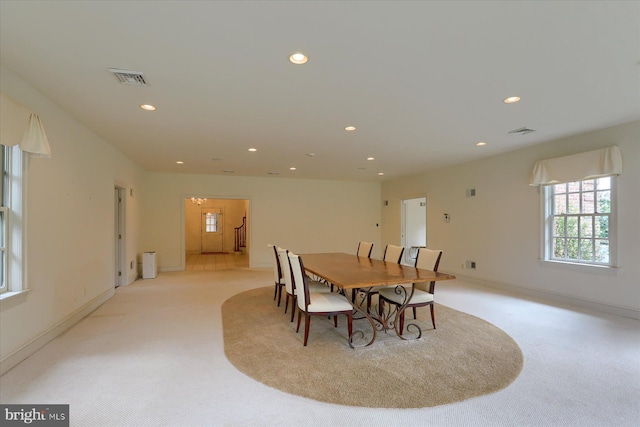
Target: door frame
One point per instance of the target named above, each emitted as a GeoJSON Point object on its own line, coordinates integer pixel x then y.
{"type": "Point", "coordinates": [183, 201]}
{"type": "Point", "coordinates": [404, 227]}
{"type": "Point", "coordinates": [120, 236]}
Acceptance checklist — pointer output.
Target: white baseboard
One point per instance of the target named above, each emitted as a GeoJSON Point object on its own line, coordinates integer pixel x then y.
{"type": "Point", "coordinates": [38, 342]}
{"type": "Point", "coordinates": [565, 299]}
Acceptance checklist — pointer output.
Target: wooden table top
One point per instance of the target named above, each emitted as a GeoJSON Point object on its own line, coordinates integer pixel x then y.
{"type": "Point", "coordinates": [349, 271]}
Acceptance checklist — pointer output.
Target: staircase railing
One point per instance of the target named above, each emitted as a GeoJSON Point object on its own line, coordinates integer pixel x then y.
{"type": "Point", "coordinates": [240, 236]}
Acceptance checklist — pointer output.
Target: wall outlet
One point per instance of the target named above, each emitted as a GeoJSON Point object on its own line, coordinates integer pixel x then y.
{"type": "Point", "coordinates": [470, 264]}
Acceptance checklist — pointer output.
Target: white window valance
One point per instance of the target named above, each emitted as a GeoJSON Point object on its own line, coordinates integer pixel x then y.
{"type": "Point", "coordinates": [20, 126]}
{"type": "Point", "coordinates": [577, 167]}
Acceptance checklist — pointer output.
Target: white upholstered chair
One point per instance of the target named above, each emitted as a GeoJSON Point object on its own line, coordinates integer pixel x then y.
{"type": "Point", "coordinates": [277, 275]}
{"type": "Point", "coordinates": [392, 253]}
{"type": "Point", "coordinates": [290, 288]}
{"type": "Point", "coordinates": [427, 259]}
{"type": "Point", "coordinates": [364, 249]}
{"type": "Point", "coordinates": [316, 304]}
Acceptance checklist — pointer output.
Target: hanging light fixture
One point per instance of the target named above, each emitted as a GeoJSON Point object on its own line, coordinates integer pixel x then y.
{"type": "Point", "coordinates": [198, 201]}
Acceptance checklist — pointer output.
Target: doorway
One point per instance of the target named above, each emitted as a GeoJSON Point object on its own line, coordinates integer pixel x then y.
{"type": "Point", "coordinates": [414, 227]}
{"type": "Point", "coordinates": [212, 231]}
{"type": "Point", "coordinates": [216, 233]}
{"type": "Point", "coordinates": [119, 255]}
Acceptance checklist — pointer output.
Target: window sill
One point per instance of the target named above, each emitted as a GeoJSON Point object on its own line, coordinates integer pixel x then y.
{"type": "Point", "coordinates": [582, 268]}
{"type": "Point", "coordinates": [8, 295]}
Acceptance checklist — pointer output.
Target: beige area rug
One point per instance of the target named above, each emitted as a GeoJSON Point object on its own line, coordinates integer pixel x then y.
{"type": "Point", "coordinates": [464, 358]}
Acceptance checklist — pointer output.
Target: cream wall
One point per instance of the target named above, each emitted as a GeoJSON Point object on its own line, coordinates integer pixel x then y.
{"type": "Point", "coordinates": [500, 227]}
{"type": "Point", "coordinates": [301, 215]}
{"type": "Point", "coordinates": [232, 213]}
{"type": "Point", "coordinates": [70, 227]}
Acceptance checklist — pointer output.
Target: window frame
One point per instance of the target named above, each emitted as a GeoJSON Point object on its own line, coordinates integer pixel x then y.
{"type": "Point", "coordinates": [547, 227]}
{"type": "Point", "coordinates": [14, 207]}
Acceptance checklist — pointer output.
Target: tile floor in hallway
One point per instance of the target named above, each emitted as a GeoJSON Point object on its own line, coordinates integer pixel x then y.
{"type": "Point", "coordinates": [216, 261]}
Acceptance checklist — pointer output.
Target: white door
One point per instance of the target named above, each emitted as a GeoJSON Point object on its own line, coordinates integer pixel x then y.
{"type": "Point", "coordinates": [212, 230]}
{"type": "Point", "coordinates": [119, 264]}
{"type": "Point", "coordinates": [414, 227]}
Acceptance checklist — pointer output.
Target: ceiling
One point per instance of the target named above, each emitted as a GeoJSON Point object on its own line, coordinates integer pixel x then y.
{"type": "Point", "coordinates": [422, 82]}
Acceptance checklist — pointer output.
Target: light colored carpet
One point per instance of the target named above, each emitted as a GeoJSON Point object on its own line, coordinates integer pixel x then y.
{"type": "Point", "coordinates": [465, 357]}
{"type": "Point", "coordinates": [153, 356]}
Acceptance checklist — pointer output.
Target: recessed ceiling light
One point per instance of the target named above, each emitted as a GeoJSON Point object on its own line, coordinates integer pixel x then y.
{"type": "Point", "coordinates": [298, 58]}
{"type": "Point", "coordinates": [481, 144]}
{"type": "Point", "coordinates": [253, 149]}
{"type": "Point", "coordinates": [350, 128]}
{"type": "Point", "coordinates": [371, 158]}
{"type": "Point", "coordinates": [292, 169]}
{"type": "Point", "coordinates": [148, 107]}
{"type": "Point", "coordinates": [180, 162]}
{"type": "Point", "coordinates": [511, 100]}
{"type": "Point", "coordinates": [380, 173]}
{"type": "Point", "coordinates": [311, 154]}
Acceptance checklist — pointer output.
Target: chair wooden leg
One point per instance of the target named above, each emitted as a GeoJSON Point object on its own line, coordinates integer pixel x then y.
{"type": "Point", "coordinates": [286, 303]}
{"type": "Point", "coordinates": [275, 292]}
{"type": "Point", "coordinates": [414, 313]}
{"type": "Point", "coordinates": [433, 317]}
{"type": "Point", "coordinates": [279, 294]}
{"type": "Point", "coordinates": [299, 317]}
{"type": "Point", "coordinates": [307, 321]}
{"type": "Point", "coordinates": [350, 323]}
{"type": "Point", "coordinates": [293, 306]}
{"type": "Point", "coordinates": [335, 321]}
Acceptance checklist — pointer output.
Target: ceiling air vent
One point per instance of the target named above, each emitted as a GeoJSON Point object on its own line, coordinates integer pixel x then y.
{"type": "Point", "coordinates": [125, 77]}
{"type": "Point", "coordinates": [522, 131]}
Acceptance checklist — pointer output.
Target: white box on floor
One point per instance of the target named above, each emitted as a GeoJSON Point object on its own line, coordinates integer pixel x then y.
{"type": "Point", "coordinates": [149, 267]}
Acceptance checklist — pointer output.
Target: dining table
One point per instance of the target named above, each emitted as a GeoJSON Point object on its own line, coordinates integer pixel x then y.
{"type": "Point", "coordinates": [350, 272]}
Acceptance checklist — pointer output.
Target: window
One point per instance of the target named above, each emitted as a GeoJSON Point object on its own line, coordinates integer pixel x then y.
{"type": "Point", "coordinates": [211, 222]}
{"type": "Point", "coordinates": [11, 219]}
{"type": "Point", "coordinates": [580, 222]}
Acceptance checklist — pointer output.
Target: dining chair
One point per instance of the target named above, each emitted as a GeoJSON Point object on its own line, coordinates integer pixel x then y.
{"type": "Point", "coordinates": [277, 275]}
{"type": "Point", "coordinates": [317, 304]}
{"type": "Point", "coordinates": [285, 266]}
{"type": "Point", "coordinates": [364, 249]}
{"type": "Point", "coordinates": [423, 294]}
{"type": "Point", "coordinates": [392, 253]}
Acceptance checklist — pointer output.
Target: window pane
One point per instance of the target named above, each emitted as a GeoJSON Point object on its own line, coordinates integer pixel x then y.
{"type": "Point", "coordinates": [604, 201]}
{"type": "Point", "coordinates": [574, 203]}
{"type": "Point", "coordinates": [558, 248]}
{"type": "Point", "coordinates": [588, 205]}
{"type": "Point", "coordinates": [558, 226]}
{"type": "Point", "coordinates": [602, 251]}
{"type": "Point", "coordinates": [586, 226]}
{"type": "Point", "coordinates": [588, 185]}
{"type": "Point", "coordinates": [572, 248]}
{"type": "Point", "coordinates": [586, 249]}
{"type": "Point", "coordinates": [560, 206]}
{"type": "Point", "coordinates": [560, 188]}
{"type": "Point", "coordinates": [572, 226]}
{"type": "Point", "coordinates": [602, 226]}
{"type": "Point", "coordinates": [574, 186]}
{"type": "Point", "coordinates": [604, 183]}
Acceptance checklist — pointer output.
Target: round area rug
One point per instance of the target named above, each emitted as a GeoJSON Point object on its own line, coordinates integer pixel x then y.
{"type": "Point", "coordinates": [465, 357]}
